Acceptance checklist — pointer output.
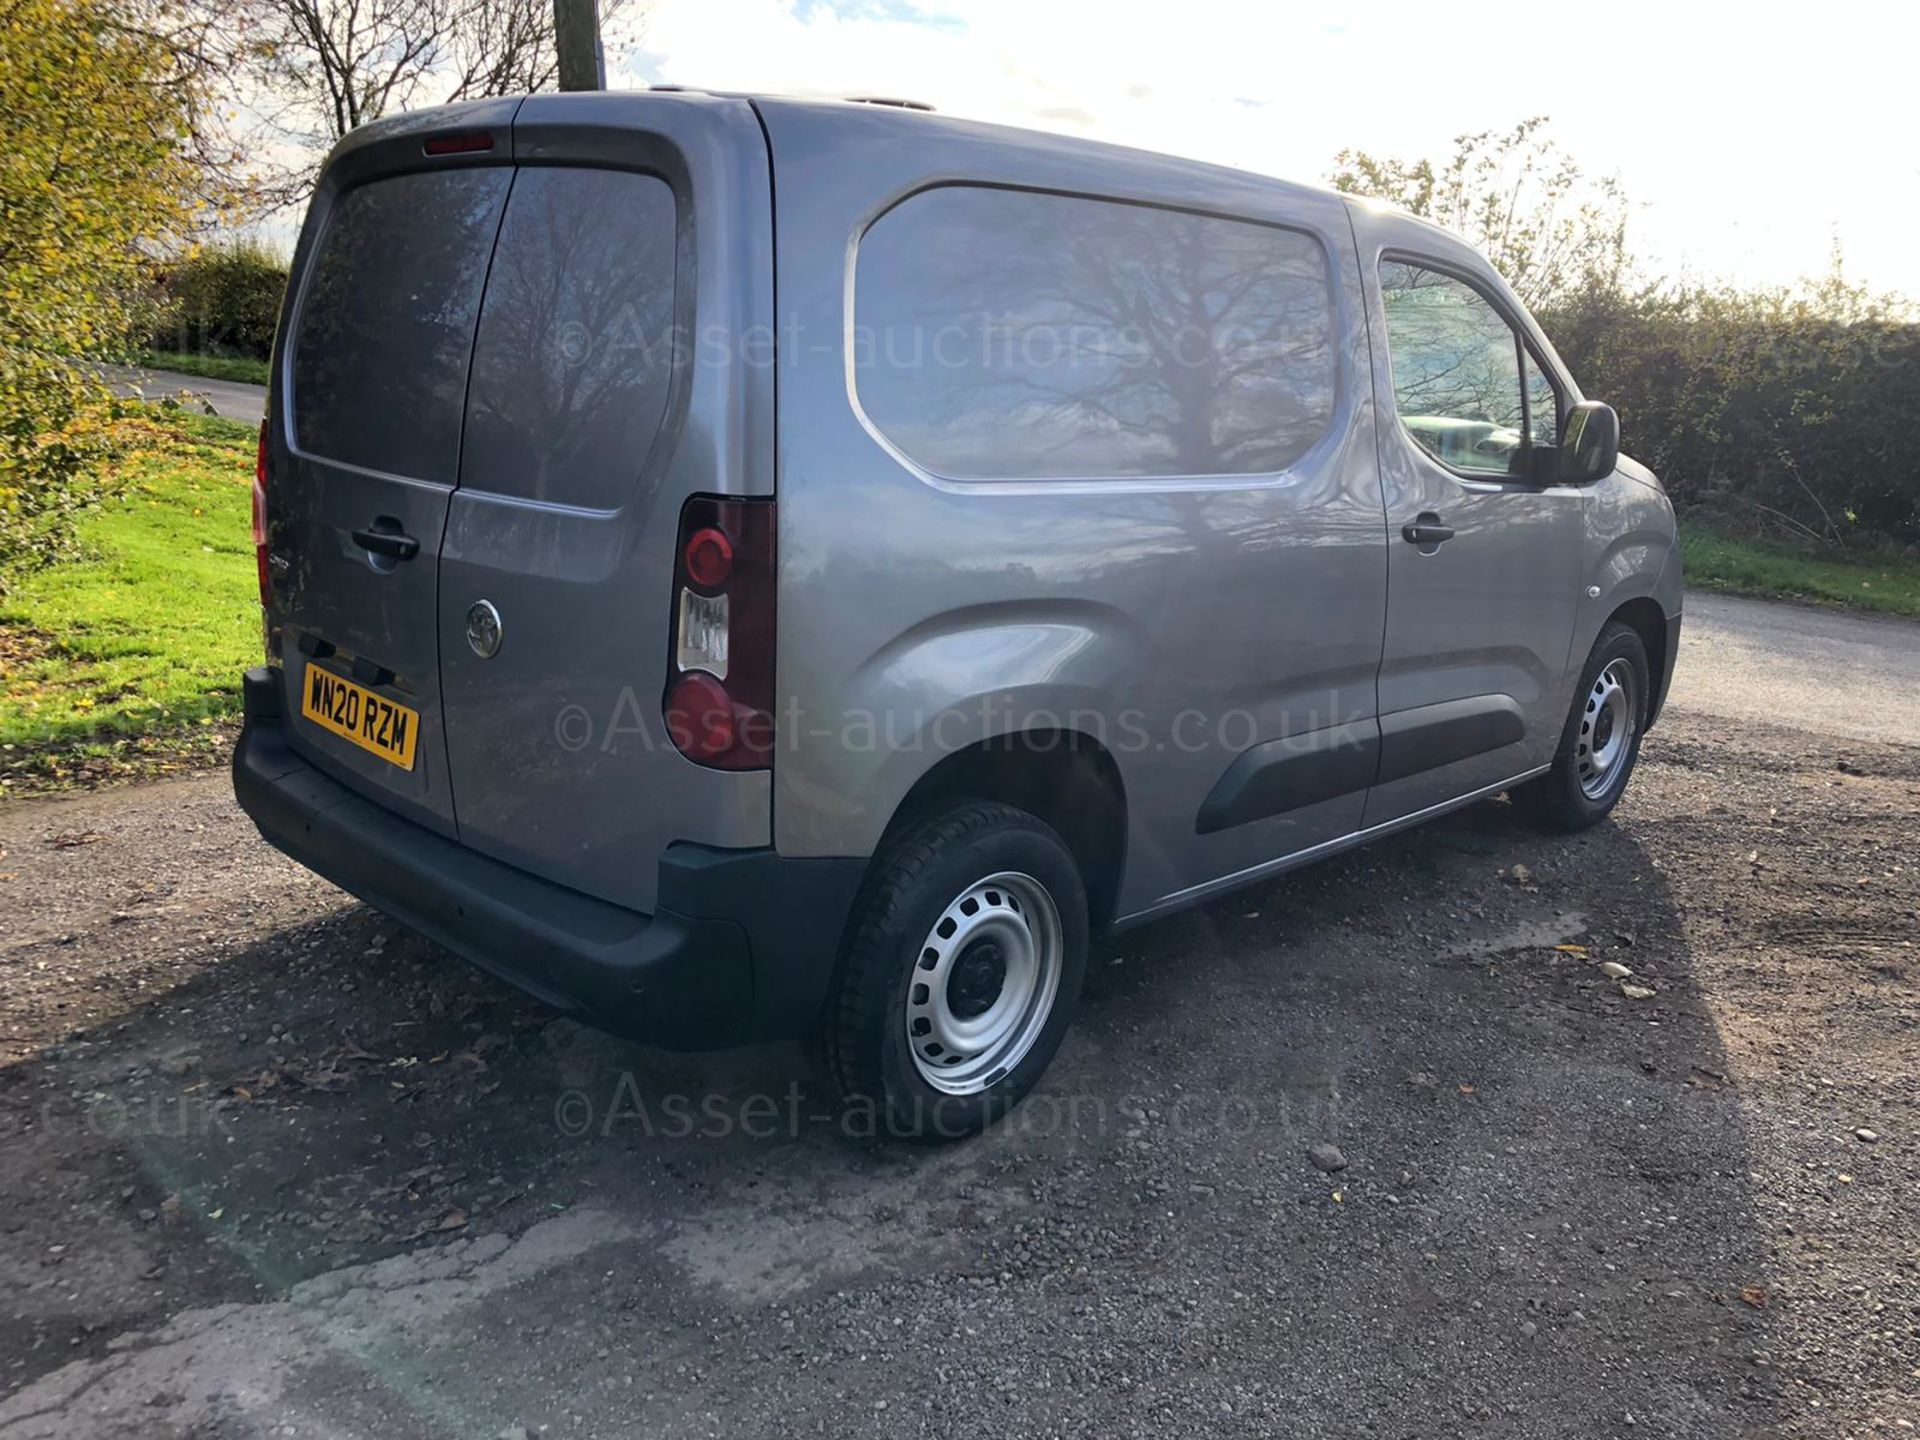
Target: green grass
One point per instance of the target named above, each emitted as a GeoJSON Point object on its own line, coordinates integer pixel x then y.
{"type": "Point", "coordinates": [1888, 582]}
{"type": "Point", "coordinates": [150, 630]}
{"type": "Point", "coordinates": [213, 367]}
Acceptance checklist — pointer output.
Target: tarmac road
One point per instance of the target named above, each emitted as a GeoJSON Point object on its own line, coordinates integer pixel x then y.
{"type": "Point", "coordinates": [1825, 670]}
{"type": "Point", "coordinates": [229, 398]}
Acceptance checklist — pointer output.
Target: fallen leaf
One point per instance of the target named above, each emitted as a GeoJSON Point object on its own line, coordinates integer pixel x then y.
{"type": "Point", "coordinates": [1571, 949]}
{"type": "Point", "coordinates": [1754, 1295]}
{"type": "Point", "coordinates": [452, 1220]}
{"type": "Point", "coordinates": [1614, 970]}
{"type": "Point", "coordinates": [1637, 992]}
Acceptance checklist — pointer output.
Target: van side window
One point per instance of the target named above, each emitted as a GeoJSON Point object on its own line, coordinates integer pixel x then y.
{"type": "Point", "coordinates": [1456, 369]}
{"type": "Point", "coordinates": [1002, 334]}
{"type": "Point", "coordinates": [576, 345]}
{"type": "Point", "coordinates": [386, 323]}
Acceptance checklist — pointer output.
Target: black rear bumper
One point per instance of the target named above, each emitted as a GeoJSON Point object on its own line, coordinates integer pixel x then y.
{"type": "Point", "coordinates": [741, 947]}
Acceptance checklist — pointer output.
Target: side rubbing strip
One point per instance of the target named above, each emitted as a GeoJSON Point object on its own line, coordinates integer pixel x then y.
{"type": "Point", "coordinates": [1429, 736]}
{"type": "Point", "coordinates": [1286, 774]}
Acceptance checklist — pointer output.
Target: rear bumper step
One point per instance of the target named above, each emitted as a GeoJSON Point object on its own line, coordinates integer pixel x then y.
{"type": "Point", "coordinates": [740, 949]}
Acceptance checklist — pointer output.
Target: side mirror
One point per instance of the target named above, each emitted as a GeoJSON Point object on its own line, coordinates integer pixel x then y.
{"type": "Point", "coordinates": [1589, 444]}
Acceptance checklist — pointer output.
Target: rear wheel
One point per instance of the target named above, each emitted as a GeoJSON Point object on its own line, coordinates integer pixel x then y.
{"type": "Point", "coordinates": [1601, 739]}
{"type": "Point", "coordinates": [961, 972]}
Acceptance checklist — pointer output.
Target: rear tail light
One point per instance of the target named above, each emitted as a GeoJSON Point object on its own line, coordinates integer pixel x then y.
{"type": "Point", "coordinates": [700, 718]}
{"type": "Point", "coordinates": [260, 517]}
{"type": "Point", "coordinates": [719, 701]}
{"type": "Point", "coordinates": [709, 556]}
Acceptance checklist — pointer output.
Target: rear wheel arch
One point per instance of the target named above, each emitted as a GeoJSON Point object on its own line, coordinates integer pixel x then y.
{"type": "Point", "coordinates": [1063, 777]}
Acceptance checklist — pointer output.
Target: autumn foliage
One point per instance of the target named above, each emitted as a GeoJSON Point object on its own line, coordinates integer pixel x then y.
{"type": "Point", "coordinates": [95, 177]}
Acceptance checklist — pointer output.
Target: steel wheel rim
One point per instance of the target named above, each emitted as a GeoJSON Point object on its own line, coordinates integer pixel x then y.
{"type": "Point", "coordinates": [1606, 731]}
{"type": "Point", "coordinates": [1008, 921]}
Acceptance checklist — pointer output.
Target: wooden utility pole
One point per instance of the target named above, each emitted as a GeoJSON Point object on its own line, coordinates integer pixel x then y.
{"type": "Point", "coordinates": [576, 35]}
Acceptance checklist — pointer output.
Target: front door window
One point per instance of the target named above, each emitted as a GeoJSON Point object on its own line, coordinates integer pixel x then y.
{"type": "Point", "coordinates": [1456, 371]}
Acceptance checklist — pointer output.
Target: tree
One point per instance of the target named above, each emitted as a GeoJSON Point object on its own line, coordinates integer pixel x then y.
{"type": "Point", "coordinates": [1548, 228]}
{"type": "Point", "coordinates": [97, 172]}
{"type": "Point", "coordinates": [315, 69]}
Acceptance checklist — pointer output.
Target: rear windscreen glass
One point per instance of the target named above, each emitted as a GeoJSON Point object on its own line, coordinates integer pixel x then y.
{"type": "Point", "coordinates": [576, 346]}
{"type": "Point", "coordinates": [386, 325]}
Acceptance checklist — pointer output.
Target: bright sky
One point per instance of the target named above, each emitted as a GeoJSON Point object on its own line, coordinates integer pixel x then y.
{"type": "Point", "coordinates": [1750, 138]}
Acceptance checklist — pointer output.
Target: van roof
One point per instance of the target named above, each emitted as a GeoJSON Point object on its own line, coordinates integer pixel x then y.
{"type": "Point", "coordinates": [918, 116]}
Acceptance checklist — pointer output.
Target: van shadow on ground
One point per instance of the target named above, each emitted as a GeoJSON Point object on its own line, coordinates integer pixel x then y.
{"type": "Point", "coordinates": [1544, 1224]}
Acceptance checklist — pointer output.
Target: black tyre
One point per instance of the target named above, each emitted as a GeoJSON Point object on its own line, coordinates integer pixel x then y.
{"type": "Point", "coordinates": [1601, 740]}
{"type": "Point", "coordinates": [961, 972]}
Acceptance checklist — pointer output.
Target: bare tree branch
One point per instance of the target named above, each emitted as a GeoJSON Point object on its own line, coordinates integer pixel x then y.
{"type": "Point", "coordinates": [306, 72]}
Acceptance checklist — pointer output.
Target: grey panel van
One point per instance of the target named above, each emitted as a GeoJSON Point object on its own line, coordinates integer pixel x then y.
{"type": "Point", "coordinates": [744, 569]}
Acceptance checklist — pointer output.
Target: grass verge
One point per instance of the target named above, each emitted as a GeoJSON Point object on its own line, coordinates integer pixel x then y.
{"type": "Point", "coordinates": [1888, 582]}
{"type": "Point", "coordinates": [128, 660]}
{"type": "Point", "coordinates": [213, 367]}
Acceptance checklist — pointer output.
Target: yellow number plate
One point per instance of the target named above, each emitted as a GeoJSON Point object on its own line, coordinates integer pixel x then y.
{"type": "Point", "coordinates": [355, 713]}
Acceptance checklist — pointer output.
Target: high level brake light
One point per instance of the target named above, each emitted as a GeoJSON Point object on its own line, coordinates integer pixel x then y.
{"type": "Point", "coordinates": [719, 701]}
{"type": "Point", "coordinates": [472, 142]}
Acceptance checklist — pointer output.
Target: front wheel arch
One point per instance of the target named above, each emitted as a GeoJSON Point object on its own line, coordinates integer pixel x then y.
{"type": "Point", "coordinates": [1646, 619]}
{"type": "Point", "coordinates": [1558, 798]}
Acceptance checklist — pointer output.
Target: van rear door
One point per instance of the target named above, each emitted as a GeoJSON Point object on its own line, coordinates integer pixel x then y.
{"type": "Point", "coordinates": [364, 444]}
{"type": "Point", "coordinates": [616, 372]}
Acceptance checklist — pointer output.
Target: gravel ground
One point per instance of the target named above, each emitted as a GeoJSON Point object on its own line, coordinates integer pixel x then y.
{"type": "Point", "coordinates": [275, 1167]}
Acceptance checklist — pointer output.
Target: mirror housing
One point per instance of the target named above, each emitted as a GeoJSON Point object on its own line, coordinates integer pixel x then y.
{"type": "Point", "coordinates": [1589, 444]}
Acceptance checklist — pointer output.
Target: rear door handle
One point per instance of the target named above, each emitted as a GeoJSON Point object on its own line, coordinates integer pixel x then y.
{"type": "Point", "coordinates": [1426, 531]}
{"type": "Point", "coordinates": [387, 542]}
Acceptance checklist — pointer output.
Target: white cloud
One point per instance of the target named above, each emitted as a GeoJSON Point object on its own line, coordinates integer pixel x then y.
{"type": "Point", "coordinates": [1750, 142]}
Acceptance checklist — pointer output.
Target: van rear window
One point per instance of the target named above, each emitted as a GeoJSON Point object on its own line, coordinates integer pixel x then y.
{"type": "Point", "coordinates": [1003, 334]}
{"type": "Point", "coordinates": [386, 324]}
{"type": "Point", "coordinates": [576, 348]}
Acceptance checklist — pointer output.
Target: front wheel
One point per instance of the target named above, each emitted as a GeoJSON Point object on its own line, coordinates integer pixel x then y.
{"type": "Point", "coordinates": [1601, 739]}
{"type": "Point", "coordinates": [961, 972]}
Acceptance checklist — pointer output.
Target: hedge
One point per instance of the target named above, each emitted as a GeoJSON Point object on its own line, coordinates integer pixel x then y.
{"type": "Point", "coordinates": [1780, 412]}
{"type": "Point", "coordinates": [222, 301]}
